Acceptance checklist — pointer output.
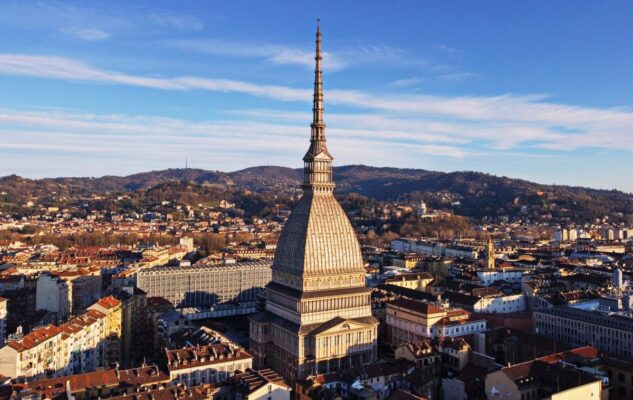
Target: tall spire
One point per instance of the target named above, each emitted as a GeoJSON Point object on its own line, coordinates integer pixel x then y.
{"type": "Point", "coordinates": [317, 102]}
{"type": "Point", "coordinates": [317, 169]}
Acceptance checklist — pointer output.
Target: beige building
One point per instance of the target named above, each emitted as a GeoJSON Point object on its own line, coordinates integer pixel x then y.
{"type": "Point", "coordinates": [318, 312]}
{"type": "Point", "coordinates": [411, 280]}
{"type": "Point", "coordinates": [411, 320]}
{"type": "Point", "coordinates": [79, 345]}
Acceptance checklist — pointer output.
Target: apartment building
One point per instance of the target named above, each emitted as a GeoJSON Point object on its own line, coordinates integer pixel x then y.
{"type": "Point", "coordinates": [206, 364]}
{"type": "Point", "coordinates": [607, 331]}
{"type": "Point", "coordinates": [206, 285]}
{"type": "Point", "coordinates": [42, 352]}
{"type": "Point", "coordinates": [80, 345]}
{"type": "Point", "coordinates": [410, 320]}
{"type": "Point", "coordinates": [112, 309]}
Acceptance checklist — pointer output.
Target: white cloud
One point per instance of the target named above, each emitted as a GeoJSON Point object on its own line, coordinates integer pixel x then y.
{"type": "Point", "coordinates": [176, 21]}
{"type": "Point", "coordinates": [281, 54]}
{"type": "Point", "coordinates": [89, 34]}
{"type": "Point", "coordinates": [273, 53]}
{"type": "Point", "coordinates": [406, 82]}
{"type": "Point", "coordinates": [223, 144]}
{"type": "Point", "coordinates": [502, 122]}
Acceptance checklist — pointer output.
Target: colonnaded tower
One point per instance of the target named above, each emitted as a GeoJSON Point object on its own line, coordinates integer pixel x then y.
{"type": "Point", "coordinates": [318, 312]}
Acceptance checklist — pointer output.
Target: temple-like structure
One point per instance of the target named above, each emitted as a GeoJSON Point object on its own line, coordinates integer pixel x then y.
{"type": "Point", "coordinates": [318, 312]}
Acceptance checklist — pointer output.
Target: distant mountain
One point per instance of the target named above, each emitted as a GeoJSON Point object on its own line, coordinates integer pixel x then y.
{"type": "Point", "coordinates": [471, 194]}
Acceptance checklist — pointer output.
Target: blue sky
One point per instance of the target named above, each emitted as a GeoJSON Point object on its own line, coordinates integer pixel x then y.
{"type": "Point", "coordinates": [539, 90]}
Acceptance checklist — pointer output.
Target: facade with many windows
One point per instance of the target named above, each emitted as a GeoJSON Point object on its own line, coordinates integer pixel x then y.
{"type": "Point", "coordinates": [200, 365]}
{"type": "Point", "coordinates": [206, 285]}
{"type": "Point", "coordinates": [411, 321]}
{"type": "Point", "coordinates": [608, 332]}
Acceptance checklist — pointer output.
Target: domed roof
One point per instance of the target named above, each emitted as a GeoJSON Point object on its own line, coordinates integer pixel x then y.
{"type": "Point", "coordinates": [318, 239]}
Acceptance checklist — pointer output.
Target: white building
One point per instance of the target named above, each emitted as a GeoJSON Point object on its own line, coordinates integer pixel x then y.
{"type": "Point", "coordinates": [36, 354]}
{"type": "Point", "coordinates": [52, 294]}
{"type": "Point", "coordinates": [212, 363]}
{"type": "Point", "coordinates": [512, 275]}
{"type": "Point", "coordinates": [501, 304]}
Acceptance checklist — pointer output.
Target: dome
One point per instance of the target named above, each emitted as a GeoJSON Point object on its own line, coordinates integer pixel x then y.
{"type": "Point", "coordinates": [318, 248]}
{"type": "Point", "coordinates": [318, 239]}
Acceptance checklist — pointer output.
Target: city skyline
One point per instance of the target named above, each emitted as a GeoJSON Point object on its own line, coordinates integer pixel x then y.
{"type": "Point", "coordinates": [526, 91]}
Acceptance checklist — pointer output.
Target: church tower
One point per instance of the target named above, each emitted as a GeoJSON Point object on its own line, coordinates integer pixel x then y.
{"type": "Point", "coordinates": [490, 253]}
{"type": "Point", "coordinates": [318, 311]}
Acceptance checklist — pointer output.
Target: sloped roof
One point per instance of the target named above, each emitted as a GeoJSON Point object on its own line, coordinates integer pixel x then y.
{"type": "Point", "coordinates": [318, 239]}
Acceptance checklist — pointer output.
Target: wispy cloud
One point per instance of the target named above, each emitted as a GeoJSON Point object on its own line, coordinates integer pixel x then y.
{"type": "Point", "coordinates": [408, 82]}
{"type": "Point", "coordinates": [450, 51]}
{"type": "Point", "coordinates": [176, 21]}
{"type": "Point", "coordinates": [67, 69]}
{"type": "Point", "coordinates": [273, 53]}
{"type": "Point", "coordinates": [502, 122]}
{"type": "Point", "coordinates": [89, 34]}
{"type": "Point", "coordinates": [458, 76]}
{"type": "Point", "coordinates": [217, 144]}
{"type": "Point", "coordinates": [339, 59]}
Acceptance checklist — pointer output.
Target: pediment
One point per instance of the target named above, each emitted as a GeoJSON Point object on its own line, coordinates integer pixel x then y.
{"type": "Point", "coordinates": [338, 325]}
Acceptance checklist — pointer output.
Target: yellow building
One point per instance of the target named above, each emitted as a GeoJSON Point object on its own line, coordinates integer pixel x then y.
{"type": "Point", "coordinates": [411, 281]}
{"type": "Point", "coordinates": [111, 307]}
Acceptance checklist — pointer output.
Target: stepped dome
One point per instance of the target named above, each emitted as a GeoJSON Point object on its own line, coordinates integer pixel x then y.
{"type": "Point", "coordinates": [318, 238]}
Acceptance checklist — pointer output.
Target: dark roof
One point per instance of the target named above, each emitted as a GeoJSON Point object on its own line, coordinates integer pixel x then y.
{"type": "Point", "coordinates": [142, 376]}
{"type": "Point", "coordinates": [416, 306]}
{"type": "Point", "coordinates": [461, 299]}
{"type": "Point", "coordinates": [406, 292]}
{"type": "Point", "coordinates": [549, 377]}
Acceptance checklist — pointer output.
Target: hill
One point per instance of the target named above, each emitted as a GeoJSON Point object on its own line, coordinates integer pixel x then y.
{"type": "Point", "coordinates": [471, 194]}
